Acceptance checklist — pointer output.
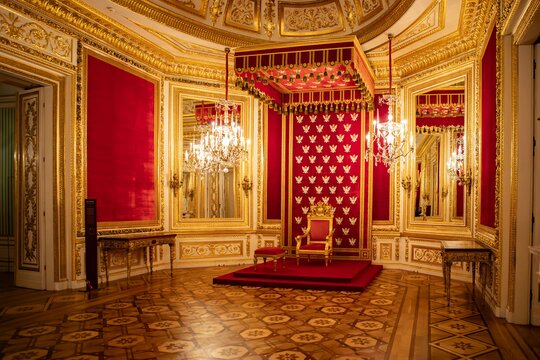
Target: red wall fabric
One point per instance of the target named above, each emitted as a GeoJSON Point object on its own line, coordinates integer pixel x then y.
{"type": "Point", "coordinates": [120, 143]}
{"type": "Point", "coordinates": [326, 166]}
{"type": "Point", "coordinates": [273, 156]}
{"type": "Point", "coordinates": [488, 139]}
{"type": "Point", "coordinates": [381, 178]}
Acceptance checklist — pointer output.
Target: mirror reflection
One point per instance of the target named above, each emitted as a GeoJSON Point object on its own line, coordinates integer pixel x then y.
{"type": "Point", "coordinates": [208, 191]}
{"type": "Point", "coordinates": [440, 154]}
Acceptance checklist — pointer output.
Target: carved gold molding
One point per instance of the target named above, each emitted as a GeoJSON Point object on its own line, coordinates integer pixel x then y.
{"type": "Point", "coordinates": [513, 172]}
{"type": "Point", "coordinates": [426, 255]}
{"type": "Point", "coordinates": [386, 251]}
{"type": "Point", "coordinates": [269, 15]}
{"type": "Point", "coordinates": [186, 25]}
{"type": "Point", "coordinates": [24, 30]}
{"type": "Point", "coordinates": [199, 7]}
{"type": "Point", "coordinates": [198, 250]}
{"type": "Point", "coordinates": [527, 19]}
{"type": "Point", "coordinates": [28, 190]}
{"type": "Point", "coordinates": [395, 12]}
{"type": "Point", "coordinates": [81, 187]}
{"type": "Point", "coordinates": [244, 14]}
{"type": "Point", "coordinates": [310, 19]}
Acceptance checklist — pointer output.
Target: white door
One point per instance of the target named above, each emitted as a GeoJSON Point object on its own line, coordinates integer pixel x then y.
{"type": "Point", "coordinates": [33, 176]}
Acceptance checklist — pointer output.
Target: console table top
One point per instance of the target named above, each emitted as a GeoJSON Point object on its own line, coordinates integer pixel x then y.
{"type": "Point", "coordinates": [136, 236]}
{"type": "Point", "coordinates": [460, 245]}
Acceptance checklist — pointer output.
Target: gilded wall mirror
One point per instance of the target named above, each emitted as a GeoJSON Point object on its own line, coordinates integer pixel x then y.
{"type": "Point", "coordinates": [440, 179]}
{"type": "Point", "coordinates": [208, 189]}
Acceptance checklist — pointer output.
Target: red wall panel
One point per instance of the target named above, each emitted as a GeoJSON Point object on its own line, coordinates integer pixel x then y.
{"type": "Point", "coordinates": [488, 140]}
{"type": "Point", "coordinates": [120, 143]}
{"type": "Point", "coordinates": [273, 158]}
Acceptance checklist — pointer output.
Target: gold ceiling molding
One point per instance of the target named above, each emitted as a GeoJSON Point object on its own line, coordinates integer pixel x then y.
{"type": "Point", "coordinates": [527, 20]}
{"type": "Point", "coordinates": [366, 10]}
{"type": "Point", "coordinates": [429, 22]}
{"type": "Point", "coordinates": [186, 25]}
{"type": "Point", "coordinates": [269, 14]}
{"type": "Point", "coordinates": [84, 23]}
{"type": "Point", "coordinates": [95, 29]}
{"type": "Point", "coordinates": [433, 54]}
{"type": "Point", "coordinates": [184, 46]}
{"type": "Point", "coordinates": [393, 14]}
{"type": "Point", "coordinates": [310, 18]}
{"type": "Point", "coordinates": [198, 7]}
{"type": "Point", "coordinates": [23, 30]}
{"type": "Point", "coordinates": [243, 14]}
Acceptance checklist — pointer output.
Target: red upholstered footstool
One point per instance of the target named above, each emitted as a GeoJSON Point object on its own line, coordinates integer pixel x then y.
{"type": "Point", "coordinates": [272, 252]}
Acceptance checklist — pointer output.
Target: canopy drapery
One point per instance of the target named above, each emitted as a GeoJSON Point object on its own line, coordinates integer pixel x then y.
{"type": "Point", "coordinates": [307, 76]}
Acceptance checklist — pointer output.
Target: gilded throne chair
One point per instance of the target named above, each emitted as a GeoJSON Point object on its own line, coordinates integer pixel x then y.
{"type": "Point", "coordinates": [317, 238]}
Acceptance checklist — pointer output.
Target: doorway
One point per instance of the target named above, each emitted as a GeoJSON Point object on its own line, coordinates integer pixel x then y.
{"type": "Point", "coordinates": [21, 149]}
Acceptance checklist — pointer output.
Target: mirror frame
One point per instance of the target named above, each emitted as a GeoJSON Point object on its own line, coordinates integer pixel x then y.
{"type": "Point", "coordinates": [178, 94]}
{"type": "Point", "coordinates": [440, 227]}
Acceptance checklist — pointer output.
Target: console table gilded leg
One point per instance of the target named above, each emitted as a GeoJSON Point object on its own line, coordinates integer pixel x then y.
{"type": "Point", "coordinates": [106, 260]}
{"type": "Point", "coordinates": [172, 253]}
{"type": "Point", "coordinates": [151, 255]}
{"type": "Point", "coordinates": [468, 251]}
{"type": "Point", "coordinates": [128, 259]}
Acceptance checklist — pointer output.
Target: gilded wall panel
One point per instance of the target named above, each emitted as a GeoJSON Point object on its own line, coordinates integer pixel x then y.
{"type": "Point", "coordinates": [243, 14]}
{"type": "Point", "coordinates": [37, 36]}
{"type": "Point", "coordinates": [426, 255]}
{"type": "Point", "coordinates": [386, 251]}
{"type": "Point", "coordinates": [310, 19]}
{"type": "Point", "coordinates": [200, 250]}
{"type": "Point", "coordinates": [366, 9]}
{"type": "Point", "coordinates": [28, 183]}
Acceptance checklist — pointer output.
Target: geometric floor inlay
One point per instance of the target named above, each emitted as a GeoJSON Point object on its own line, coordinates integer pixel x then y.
{"type": "Point", "coordinates": [187, 317]}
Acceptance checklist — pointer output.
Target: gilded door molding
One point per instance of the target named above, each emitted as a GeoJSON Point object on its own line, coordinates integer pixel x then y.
{"type": "Point", "coordinates": [28, 183]}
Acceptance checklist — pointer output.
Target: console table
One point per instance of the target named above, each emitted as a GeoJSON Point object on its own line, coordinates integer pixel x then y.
{"type": "Point", "coordinates": [130, 242]}
{"type": "Point", "coordinates": [462, 251]}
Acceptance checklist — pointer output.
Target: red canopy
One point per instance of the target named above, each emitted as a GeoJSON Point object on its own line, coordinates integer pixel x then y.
{"type": "Point", "coordinates": [307, 76]}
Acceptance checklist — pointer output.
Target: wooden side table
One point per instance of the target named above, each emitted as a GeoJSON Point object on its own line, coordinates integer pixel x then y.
{"type": "Point", "coordinates": [462, 251]}
{"type": "Point", "coordinates": [130, 242]}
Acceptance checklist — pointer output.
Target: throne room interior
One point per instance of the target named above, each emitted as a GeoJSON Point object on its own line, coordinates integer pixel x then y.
{"type": "Point", "coordinates": [107, 112]}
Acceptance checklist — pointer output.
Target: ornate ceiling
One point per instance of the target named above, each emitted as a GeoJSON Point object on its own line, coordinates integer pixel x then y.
{"type": "Point", "coordinates": [425, 31]}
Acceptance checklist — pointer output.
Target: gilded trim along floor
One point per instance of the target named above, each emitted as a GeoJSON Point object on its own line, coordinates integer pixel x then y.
{"type": "Point", "coordinates": [401, 315]}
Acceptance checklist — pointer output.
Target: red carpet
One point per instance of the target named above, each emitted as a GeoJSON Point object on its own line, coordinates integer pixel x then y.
{"type": "Point", "coordinates": [342, 275]}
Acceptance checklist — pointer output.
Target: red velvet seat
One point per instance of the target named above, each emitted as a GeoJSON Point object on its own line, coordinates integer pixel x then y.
{"type": "Point", "coordinates": [273, 252]}
{"type": "Point", "coordinates": [317, 240]}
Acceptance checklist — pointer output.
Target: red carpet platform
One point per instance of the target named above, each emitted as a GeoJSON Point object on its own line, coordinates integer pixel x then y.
{"type": "Point", "coordinates": [341, 275]}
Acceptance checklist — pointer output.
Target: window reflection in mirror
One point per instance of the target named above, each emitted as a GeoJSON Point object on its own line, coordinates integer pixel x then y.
{"type": "Point", "coordinates": [440, 119]}
{"type": "Point", "coordinates": [210, 194]}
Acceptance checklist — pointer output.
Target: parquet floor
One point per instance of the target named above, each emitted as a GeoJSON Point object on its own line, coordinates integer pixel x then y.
{"type": "Point", "coordinates": [402, 315]}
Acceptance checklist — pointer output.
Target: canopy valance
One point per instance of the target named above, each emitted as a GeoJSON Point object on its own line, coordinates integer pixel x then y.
{"type": "Point", "coordinates": [307, 76]}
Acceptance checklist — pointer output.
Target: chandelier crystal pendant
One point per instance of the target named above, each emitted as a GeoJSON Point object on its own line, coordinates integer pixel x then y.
{"type": "Point", "coordinates": [387, 144]}
{"type": "Point", "coordinates": [222, 144]}
{"type": "Point", "coordinates": [456, 163]}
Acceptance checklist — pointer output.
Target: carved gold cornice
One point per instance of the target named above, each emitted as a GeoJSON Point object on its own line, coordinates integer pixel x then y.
{"type": "Point", "coordinates": [396, 12]}
{"type": "Point", "coordinates": [186, 25]}
{"type": "Point", "coordinates": [526, 21]}
{"type": "Point", "coordinates": [93, 28]}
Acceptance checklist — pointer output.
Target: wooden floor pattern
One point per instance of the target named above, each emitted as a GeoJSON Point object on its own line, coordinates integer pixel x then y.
{"type": "Point", "coordinates": [401, 315]}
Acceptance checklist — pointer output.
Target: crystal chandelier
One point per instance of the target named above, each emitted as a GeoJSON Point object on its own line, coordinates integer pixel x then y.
{"type": "Point", "coordinates": [456, 163]}
{"type": "Point", "coordinates": [222, 144]}
{"type": "Point", "coordinates": [387, 144]}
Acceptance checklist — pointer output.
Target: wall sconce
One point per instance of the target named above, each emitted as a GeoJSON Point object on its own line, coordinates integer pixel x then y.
{"type": "Point", "coordinates": [175, 183]}
{"type": "Point", "coordinates": [444, 192]}
{"type": "Point", "coordinates": [407, 184]}
{"type": "Point", "coordinates": [246, 185]}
